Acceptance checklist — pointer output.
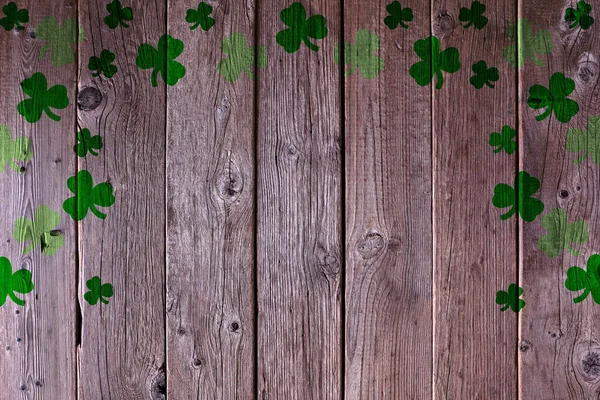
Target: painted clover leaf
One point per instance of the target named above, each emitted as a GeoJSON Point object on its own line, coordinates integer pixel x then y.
{"type": "Point", "coordinates": [97, 291]}
{"type": "Point", "coordinates": [434, 62]}
{"type": "Point", "coordinates": [484, 75]}
{"type": "Point", "coordinates": [162, 60]}
{"type": "Point", "coordinates": [11, 150]}
{"type": "Point", "coordinates": [87, 196]}
{"type": "Point", "coordinates": [561, 234]}
{"type": "Point", "coordinates": [588, 143]}
{"type": "Point", "coordinates": [19, 282]}
{"type": "Point", "coordinates": [117, 15]}
{"type": "Point", "coordinates": [397, 15]}
{"type": "Point", "coordinates": [554, 98]}
{"type": "Point", "coordinates": [240, 58]}
{"type": "Point", "coordinates": [473, 16]}
{"type": "Point", "coordinates": [41, 98]}
{"type": "Point", "coordinates": [521, 200]}
{"type": "Point", "coordinates": [588, 281]}
{"type": "Point", "coordinates": [14, 17]}
{"type": "Point", "coordinates": [579, 16]}
{"type": "Point", "coordinates": [200, 17]}
{"type": "Point", "coordinates": [103, 64]}
{"type": "Point", "coordinates": [527, 45]}
{"type": "Point", "coordinates": [360, 55]}
{"type": "Point", "coordinates": [301, 29]}
{"type": "Point", "coordinates": [504, 140]}
{"type": "Point", "coordinates": [511, 298]}
{"type": "Point", "coordinates": [61, 40]}
{"type": "Point", "coordinates": [87, 143]}
{"type": "Point", "coordinates": [41, 230]}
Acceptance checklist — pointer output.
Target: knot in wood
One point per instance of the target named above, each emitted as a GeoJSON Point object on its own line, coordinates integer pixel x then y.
{"type": "Point", "coordinates": [371, 245]}
{"type": "Point", "coordinates": [197, 362]}
{"type": "Point", "coordinates": [587, 73]}
{"type": "Point", "coordinates": [524, 346]}
{"type": "Point", "coordinates": [444, 24]}
{"type": "Point", "coordinates": [591, 364]}
{"type": "Point", "coordinates": [230, 183]}
{"type": "Point", "coordinates": [89, 98]}
{"type": "Point", "coordinates": [158, 387]}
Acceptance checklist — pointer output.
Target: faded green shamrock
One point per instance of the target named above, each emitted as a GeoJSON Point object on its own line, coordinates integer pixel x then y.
{"type": "Point", "coordinates": [360, 55]}
{"type": "Point", "coordinates": [587, 142]}
{"type": "Point", "coordinates": [14, 16]}
{"type": "Point", "coordinates": [98, 291]}
{"type": "Point", "coordinates": [561, 233]}
{"type": "Point", "coordinates": [241, 57]}
{"type": "Point", "coordinates": [200, 17]}
{"type": "Point", "coordinates": [484, 75]}
{"type": "Point", "coordinates": [527, 45]}
{"type": "Point", "coordinates": [60, 39]}
{"type": "Point", "coordinates": [504, 140]}
{"type": "Point", "coordinates": [300, 28]}
{"type": "Point", "coordinates": [511, 298]}
{"type": "Point", "coordinates": [521, 200]}
{"type": "Point", "coordinates": [103, 64]}
{"type": "Point", "coordinates": [588, 281]}
{"type": "Point", "coordinates": [162, 60]}
{"type": "Point", "coordinates": [87, 196]}
{"type": "Point", "coordinates": [117, 15]}
{"type": "Point", "coordinates": [11, 150]}
{"type": "Point", "coordinates": [579, 16]}
{"type": "Point", "coordinates": [434, 62]}
{"type": "Point", "coordinates": [554, 98]}
{"type": "Point", "coordinates": [42, 231]}
{"type": "Point", "coordinates": [42, 98]}
{"type": "Point", "coordinates": [473, 16]}
{"type": "Point", "coordinates": [10, 283]}
{"type": "Point", "coordinates": [87, 143]}
{"type": "Point", "coordinates": [397, 15]}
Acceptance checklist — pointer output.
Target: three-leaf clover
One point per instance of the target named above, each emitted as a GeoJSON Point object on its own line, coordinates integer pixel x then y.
{"type": "Point", "coordinates": [526, 44]}
{"type": "Point", "coordinates": [19, 282]}
{"type": "Point", "coordinates": [484, 75]}
{"type": "Point", "coordinates": [511, 298]}
{"type": "Point", "coordinates": [87, 143]}
{"type": "Point", "coordinates": [521, 200]}
{"type": "Point", "coordinates": [200, 17]}
{"type": "Point", "coordinates": [587, 142]}
{"type": "Point", "coordinates": [579, 16]}
{"type": "Point", "coordinates": [117, 15]}
{"type": "Point", "coordinates": [87, 196]}
{"type": "Point", "coordinates": [397, 15]}
{"type": "Point", "coordinates": [241, 57]}
{"type": "Point", "coordinates": [434, 62]}
{"type": "Point", "coordinates": [103, 64]}
{"type": "Point", "coordinates": [14, 16]}
{"type": "Point", "coordinates": [162, 60]}
{"type": "Point", "coordinates": [473, 16]}
{"type": "Point", "coordinates": [360, 55]}
{"type": "Point", "coordinates": [504, 140]}
{"type": "Point", "coordinates": [588, 281]}
{"type": "Point", "coordinates": [98, 291]}
{"type": "Point", "coordinates": [300, 28]}
{"type": "Point", "coordinates": [554, 98]}
{"type": "Point", "coordinates": [42, 231]}
{"type": "Point", "coordinates": [41, 98]}
{"type": "Point", "coordinates": [561, 234]}
{"type": "Point", "coordinates": [60, 39]}
{"type": "Point", "coordinates": [11, 150]}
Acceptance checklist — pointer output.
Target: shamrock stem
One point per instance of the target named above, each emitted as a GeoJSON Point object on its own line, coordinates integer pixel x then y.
{"type": "Point", "coordinates": [123, 24]}
{"type": "Point", "coordinates": [17, 300]}
{"type": "Point", "coordinates": [103, 301]}
{"type": "Point", "coordinates": [537, 61]}
{"type": "Point", "coordinates": [573, 25]}
{"type": "Point", "coordinates": [351, 70]}
{"type": "Point", "coordinates": [14, 166]}
{"type": "Point", "coordinates": [402, 24]}
{"type": "Point", "coordinates": [18, 25]}
{"type": "Point", "coordinates": [96, 212]}
{"type": "Point", "coordinates": [154, 77]}
{"type": "Point", "coordinates": [96, 74]}
{"type": "Point", "coordinates": [440, 79]}
{"type": "Point", "coordinates": [498, 150]}
{"type": "Point", "coordinates": [488, 84]}
{"type": "Point", "coordinates": [468, 25]}
{"type": "Point", "coordinates": [509, 214]}
{"type": "Point", "coordinates": [581, 159]}
{"type": "Point", "coordinates": [197, 24]}
{"type": "Point", "coordinates": [51, 114]}
{"type": "Point", "coordinates": [29, 248]}
{"type": "Point", "coordinates": [571, 249]}
{"type": "Point", "coordinates": [545, 115]}
{"type": "Point", "coordinates": [582, 297]}
{"type": "Point", "coordinates": [92, 152]}
{"type": "Point", "coordinates": [505, 307]}
{"type": "Point", "coordinates": [310, 45]}
{"type": "Point", "coordinates": [250, 73]}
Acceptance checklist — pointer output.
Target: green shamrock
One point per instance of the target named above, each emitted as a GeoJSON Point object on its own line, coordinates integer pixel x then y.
{"type": "Point", "coordinates": [554, 98]}
{"type": "Point", "coordinates": [14, 16]}
{"type": "Point", "coordinates": [42, 231]}
{"type": "Point", "coordinates": [504, 140]}
{"type": "Point", "coordinates": [484, 75]}
{"type": "Point", "coordinates": [511, 298]}
{"type": "Point", "coordinates": [117, 15]}
{"type": "Point", "coordinates": [526, 44]}
{"type": "Point", "coordinates": [103, 64]}
{"type": "Point", "coordinates": [519, 200]}
{"type": "Point", "coordinates": [241, 58]}
{"type": "Point", "coordinates": [473, 16]}
{"type": "Point", "coordinates": [586, 142]}
{"type": "Point", "coordinates": [18, 149]}
{"type": "Point", "coordinates": [87, 143]}
{"type": "Point", "coordinates": [397, 15]}
{"type": "Point", "coordinates": [434, 62]}
{"type": "Point", "coordinates": [360, 55]}
{"type": "Point", "coordinates": [579, 16]}
{"type": "Point", "coordinates": [300, 28]}
{"type": "Point", "coordinates": [10, 283]}
{"type": "Point", "coordinates": [561, 233]}
{"type": "Point", "coordinates": [87, 196]}
{"type": "Point", "coordinates": [200, 17]}
{"type": "Point", "coordinates": [589, 282]}
{"type": "Point", "coordinates": [162, 60]}
{"type": "Point", "coordinates": [98, 291]}
{"type": "Point", "coordinates": [62, 39]}
{"type": "Point", "coordinates": [42, 98]}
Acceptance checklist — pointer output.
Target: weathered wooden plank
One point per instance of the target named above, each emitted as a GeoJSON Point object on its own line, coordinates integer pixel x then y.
{"type": "Point", "coordinates": [122, 352]}
{"type": "Point", "coordinates": [210, 211]}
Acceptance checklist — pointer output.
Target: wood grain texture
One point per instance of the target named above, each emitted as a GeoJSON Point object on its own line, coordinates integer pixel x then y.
{"type": "Point", "coordinates": [122, 353]}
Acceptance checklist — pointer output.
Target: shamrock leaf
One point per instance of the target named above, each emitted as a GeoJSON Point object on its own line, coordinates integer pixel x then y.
{"type": "Point", "coordinates": [87, 143]}
{"type": "Point", "coordinates": [42, 231]}
{"type": "Point", "coordinates": [103, 64]}
{"type": "Point", "coordinates": [579, 16]}
{"type": "Point", "coordinates": [98, 291]}
{"type": "Point", "coordinates": [162, 60]}
{"type": "Point", "coordinates": [519, 200]}
{"type": "Point", "coordinates": [42, 98]}
{"type": "Point", "coordinates": [14, 16]}
{"type": "Point", "coordinates": [397, 15]}
{"type": "Point", "coordinates": [473, 16]}
{"type": "Point", "coordinates": [117, 15]}
{"type": "Point", "coordinates": [434, 62]}
{"type": "Point", "coordinates": [526, 44]}
{"type": "Point", "coordinates": [18, 149]}
{"type": "Point", "coordinates": [483, 75]}
{"type": "Point", "coordinates": [87, 196]}
{"type": "Point", "coordinates": [360, 55]}
{"type": "Point", "coordinates": [504, 140]}
{"type": "Point", "coordinates": [300, 28]}
{"type": "Point", "coordinates": [589, 282]}
{"type": "Point", "coordinates": [200, 17]}
{"type": "Point", "coordinates": [554, 98]}
{"type": "Point", "coordinates": [587, 142]}
{"type": "Point", "coordinates": [561, 234]}
{"type": "Point", "coordinates": [60, 38]}
{"type": "Point", "coordinates": [511, 298]}
{"type": "Point", "coordinates": [10, 283]}
{"type": "Point", "coordinates": [241, 57]}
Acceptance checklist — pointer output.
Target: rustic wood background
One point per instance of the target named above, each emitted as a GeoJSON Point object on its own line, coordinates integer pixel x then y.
{"type": "Point", "coordinates": [303, 235]}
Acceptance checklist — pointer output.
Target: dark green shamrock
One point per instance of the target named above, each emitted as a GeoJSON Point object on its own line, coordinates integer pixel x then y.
{"type": "Point", "coordinates": [434, 62]}
{"type": "Point", "coordinates": [98, 291]}
{"type": "Point", "coordinates": [103, 64]}
{"type": "Point", "coordinates": [41, 230]}
{"type": "Point", "coordinates": [579, 16]}
{"type": "Point", "coordinates": [484, 75]}
{"type": "Point", "coordinates": [519, 200]}
{"type": "Point", "coordinates": [360, 55]}
{"type": "Point", "coordinates": [397, 15]}
{"type": "Point", "coordinates": [504, 140]}
{"type": "Point", "coordinates": [19, 282]}
{"type": "Point", "coordinates": [526, 45]}
{"type": "Point", "coordinates": [588, 281]}
{"type": "Point", "coordinates": [42, 98]}
{"type": "Point", "coordinates": [14, 17]}
{"type": "Point", "coordinates": [473, 16]}
{"type": "Point", "coordinates": [87, 196]}
{"type": "Point", "coordinates": [241, 58]}
{"type": "Point", "coordinates": [162, 60]}
{"type": "Point", "coordinates": [511, 298]}
{"type": "Point", "coordinates": [18, 149]}
{"type": "Point", "coordinates": [561, 234]}
{"type": "Point", "coordinates": [588, 143]}
{"type": "Point", "coordinates": [61, 40]}
{"type": "Point", "coordinates": [200, 17]}
{"type": "Point", "coordinates": [87, 143]}
{"type": "Point", "coordinates": [300, 28]}
{"type": "Point", "coordinates": [554, 98]}
{"type": "Point", "coordinates": [117, 15]}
